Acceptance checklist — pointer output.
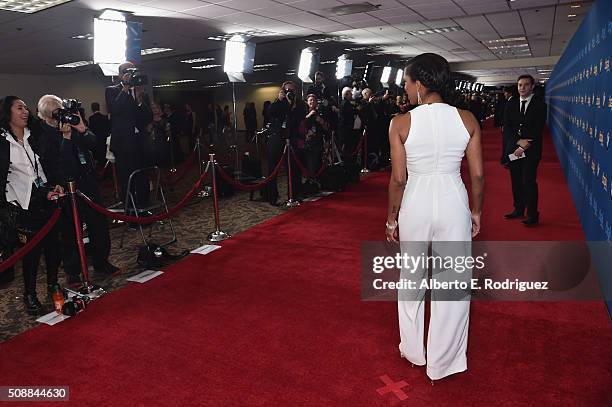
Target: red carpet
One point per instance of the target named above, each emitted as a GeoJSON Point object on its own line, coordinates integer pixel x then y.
{"type": "Point", "coordinates": [275, 318]}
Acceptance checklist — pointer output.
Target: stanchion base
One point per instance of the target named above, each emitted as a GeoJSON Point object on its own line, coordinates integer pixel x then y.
{"type": "Point", "coordinates": [173, 170]}
{"type": "Point", "coordinates": [203, 194]}
{"type": "Point", "coordinates": [218, 236]}
{"type": "Point", "coordinates": [292, 203]}
{"type": "Point", "coordinates": [365, 171]}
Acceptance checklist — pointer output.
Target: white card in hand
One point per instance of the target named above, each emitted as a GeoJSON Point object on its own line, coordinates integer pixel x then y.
{"type": "Point", "coordinates": [513, 157]}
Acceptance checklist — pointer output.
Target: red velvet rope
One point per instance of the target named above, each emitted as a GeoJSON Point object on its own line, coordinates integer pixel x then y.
{"type": "Point", "coordinates": [146, 220]}
{"type": "Point", "coordinates": [305, 170]}
{"type": "Point", "coordinates": [181, 171]}
{"type": "Point", "coordinates": [10, 262]}
{"type": "Point", "coordinates": [258, 185]}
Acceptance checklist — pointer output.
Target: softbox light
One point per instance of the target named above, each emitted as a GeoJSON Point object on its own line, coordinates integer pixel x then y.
{"type": "Point", "coordinates": [399, 77]}
{"type": "Point", "coordinates": [110, 37]}
{"type": "Point", "coordinates": [239, 58]}
{"type": "Point", "coordinates": [385, 77]}
{"type": "Point", "coordinates": [344, 66]}
{"type": "Point", "coordinates": [309, 63]}
{"type": "Point", "coordinates": [367, 73]}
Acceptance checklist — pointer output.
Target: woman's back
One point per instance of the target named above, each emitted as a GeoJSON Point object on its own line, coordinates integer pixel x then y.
{"type": "Point", "coordinates": [436, 141]}
{"type": "Point", "coordinates": [435, 204]}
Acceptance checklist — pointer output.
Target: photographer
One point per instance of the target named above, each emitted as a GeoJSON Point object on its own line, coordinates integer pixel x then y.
{"type": "Point", "coordinates": [315, 127]}
{"type": "Point", "coordinates": [130, 114]}
{"type": "Point", "coordinates": [68, 146]}
{"type": "Point", "coordinates": [350, 125]}
{"type": "Point", "coordinates": [25, 186]}
{"type": "Point", "coordinates": [286, 113]}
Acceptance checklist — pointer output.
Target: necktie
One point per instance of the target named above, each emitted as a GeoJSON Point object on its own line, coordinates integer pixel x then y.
{"type": "Point", "coordinates": [523, 102]}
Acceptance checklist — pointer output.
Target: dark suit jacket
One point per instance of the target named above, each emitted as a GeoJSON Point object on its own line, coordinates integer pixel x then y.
{"type": "Point", "coordinates": [532, 126]}
{"type": "Point", "coordinates": [100, 125]}
{"type": "Point", "coordinates": [125, 116]}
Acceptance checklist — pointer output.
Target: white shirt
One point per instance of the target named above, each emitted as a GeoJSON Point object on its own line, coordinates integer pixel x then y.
{"type": "Point", "coordinates": [528, 99]}
{"type": "Point", "coordinates": [22, 172]}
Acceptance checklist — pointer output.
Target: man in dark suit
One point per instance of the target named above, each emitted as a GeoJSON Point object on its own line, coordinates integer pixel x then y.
{"type": "Point", "coordinates": [524, 120]}
{"type": "Point", "coordinates": [130, 114]}
{"type": "Point", "coordinates": [500, 109]}
{"type": "Point", "coordinates": [100, 126]}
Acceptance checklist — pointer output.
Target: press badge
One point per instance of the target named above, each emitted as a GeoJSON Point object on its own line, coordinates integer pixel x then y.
{"type": "Point", "coordinates": [284, 125]}
{"type": "Point", "coordinates": [82, 158]}
{"type": "Point", "coordinates": [39, 182]}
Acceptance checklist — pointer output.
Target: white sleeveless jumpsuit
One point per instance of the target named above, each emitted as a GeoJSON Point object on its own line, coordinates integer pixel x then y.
{"type": "Point", "coordinates": [435, 208]}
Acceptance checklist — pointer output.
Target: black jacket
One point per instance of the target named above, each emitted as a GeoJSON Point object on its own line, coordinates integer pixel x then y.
{"type": "Point", "coordinates": [281, 114]}
{"type": "Point", "coordinates": [99, 125]}
{"type": "Point", "coordinates": [531, 125]}
{"type": "Point", "coordinates": [125, 116]}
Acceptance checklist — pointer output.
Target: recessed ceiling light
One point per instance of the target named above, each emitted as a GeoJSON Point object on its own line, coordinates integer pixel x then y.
{"type": "Point", "coordinates": [205, 66]}
{"type": "Point", "coordinates": [261, 83]}
{"type": "Point", "coordinates": [74, 64]}
{"type": "Point", "coordinates": [150, 51]}
{"type": "Point", "coordinates": [332, 61]}
{"type": "Point", "coordinates": [439, 30]}
{"type": "Point", "coordinates": [575, 6]}
{"type": "Point", "coordinates": [29, 7]}
{"type": "Point", "coordinates": [183, 81]}
{"type": "Point", "coordinates": [212, 86]}
{"type": "Point", "coordinates": [196, 60]}
{"type": "Point", "coordinates": [509, 39]}
{"type": "Point", "coordinates": [265, 66]}
{"type": "Point", "coordinates": [249, 33]}
{"type": "Point", "coordinates": [165, 85]}
{"type": "Point", "coordinates": [88, 36]}
{"type": "Point", "coordinates": [571, 15]}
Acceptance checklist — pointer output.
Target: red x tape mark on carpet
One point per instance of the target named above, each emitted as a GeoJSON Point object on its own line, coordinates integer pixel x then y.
{"type": "Point", "coordinates": [393, 387]}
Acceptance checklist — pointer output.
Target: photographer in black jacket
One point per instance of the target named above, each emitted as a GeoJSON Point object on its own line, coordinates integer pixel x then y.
{"type": "Point", "coordinates": [130, 114]}
{"type": "Point", "coordinates": [68, 155]}
{"type": "Point", "coordinates": [287, 113]}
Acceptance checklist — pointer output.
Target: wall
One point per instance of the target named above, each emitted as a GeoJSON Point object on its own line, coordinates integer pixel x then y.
{"type": "Point", "coordinates": [87, 86]}
{"type": "Point", "coordinates": [580, 117]}
{"type": "Point", "coordinates": [222, 96]}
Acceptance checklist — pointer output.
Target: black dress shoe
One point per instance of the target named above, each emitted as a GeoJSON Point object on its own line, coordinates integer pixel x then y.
{"type": "Point", "coordinates": [531, 221]}
{"type": "Point", "coordinates": [31, 303]}
{"type": "Point", "coordinates": [513, 215]}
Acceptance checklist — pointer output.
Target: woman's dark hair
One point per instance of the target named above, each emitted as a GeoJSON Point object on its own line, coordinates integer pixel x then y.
{"type": "Point", "coordinates": [433, 71]}
{"type": "Point", "coordinates": [6, 103]}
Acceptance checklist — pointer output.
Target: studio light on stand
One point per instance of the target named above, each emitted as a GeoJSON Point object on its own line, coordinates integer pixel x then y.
{"type": "Point", "coordinates": [309, 64]}
{"type": "Point", "coordinates": [239, 59]}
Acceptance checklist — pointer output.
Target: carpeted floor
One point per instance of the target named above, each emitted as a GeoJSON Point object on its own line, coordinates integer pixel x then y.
{"type": "Point", "coordinates": [275, 318]}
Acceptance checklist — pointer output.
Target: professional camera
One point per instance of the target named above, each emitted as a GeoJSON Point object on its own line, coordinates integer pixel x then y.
{"type": "Point", "coordinates": [68, 113]}
{"type": "Point", "coordinates": [138, 78]}
{"type": "Point", "coordinates": [290, 94]}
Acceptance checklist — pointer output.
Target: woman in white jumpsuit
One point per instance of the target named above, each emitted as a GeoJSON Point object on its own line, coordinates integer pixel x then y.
{"type": "Point", "coordinates": [428, 202]}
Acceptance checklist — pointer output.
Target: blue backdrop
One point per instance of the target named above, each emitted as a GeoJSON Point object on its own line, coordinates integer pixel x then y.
{"type": "Point", "coordinates": [579, 96]}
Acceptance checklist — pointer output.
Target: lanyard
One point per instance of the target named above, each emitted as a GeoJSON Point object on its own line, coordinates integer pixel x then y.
{"type": "Point", "coordinates": [35, 163]}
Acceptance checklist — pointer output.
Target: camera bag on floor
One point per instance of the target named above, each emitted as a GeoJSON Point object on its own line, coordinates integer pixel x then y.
{"type": "Point", "coordinates": [154, 255]}
{"type": "Point", "coordinates": [333, 178]}
{"type": "Point", "coordinates": [353, 169]}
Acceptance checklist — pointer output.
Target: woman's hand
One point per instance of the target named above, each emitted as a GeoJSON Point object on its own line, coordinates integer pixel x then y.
{"type": "Point", "coordinates": [81, 126]}
{"type": "Point", "coordinates": [475, 224]}
{"type": "Point", "coordinates": [392, 233]}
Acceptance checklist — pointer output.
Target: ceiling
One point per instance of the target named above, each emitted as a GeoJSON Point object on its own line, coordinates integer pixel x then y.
{"type": "Point", "coordinates": [36, 43]}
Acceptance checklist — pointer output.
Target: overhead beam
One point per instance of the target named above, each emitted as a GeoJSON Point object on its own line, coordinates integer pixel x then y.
{"type": "Point", "coordinates": [504, 63]}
